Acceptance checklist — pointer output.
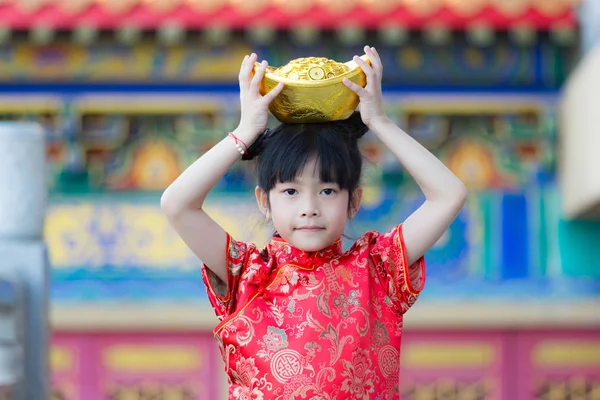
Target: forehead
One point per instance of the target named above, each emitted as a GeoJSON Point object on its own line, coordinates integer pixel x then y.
{"type": "Point", "coordinates": [311, 173]}
{"type": "Point", "coordinates": [310, 170]}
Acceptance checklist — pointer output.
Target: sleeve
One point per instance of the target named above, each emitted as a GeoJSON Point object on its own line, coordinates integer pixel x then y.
{"type": "Point", "coordinates": [401, 282]}
{"type": "Point", "coordinates": [224, 296]}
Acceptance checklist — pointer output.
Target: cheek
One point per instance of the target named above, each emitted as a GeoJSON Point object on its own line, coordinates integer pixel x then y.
{"type": "Point", "coordinates": [339, 209]}
{"type": "Point", "coordinates": [277, 209]}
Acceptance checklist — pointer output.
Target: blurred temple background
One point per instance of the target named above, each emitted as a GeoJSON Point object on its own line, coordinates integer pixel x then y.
{"type": "Point", "coordinates": [130, 92]}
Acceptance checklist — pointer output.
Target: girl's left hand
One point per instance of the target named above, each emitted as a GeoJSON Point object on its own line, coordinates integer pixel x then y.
{"type": "Point", "coordinates": [371, 98]}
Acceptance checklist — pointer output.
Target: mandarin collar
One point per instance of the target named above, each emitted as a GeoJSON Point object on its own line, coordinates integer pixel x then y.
{"type": "Point", "coordinates": [285, 253]}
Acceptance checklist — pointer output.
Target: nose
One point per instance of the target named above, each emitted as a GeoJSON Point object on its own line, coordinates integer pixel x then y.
{"type": "Point", "coordinates": [310, 207]}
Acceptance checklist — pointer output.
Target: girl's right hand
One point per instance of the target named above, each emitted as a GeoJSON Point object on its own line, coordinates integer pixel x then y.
{"type": "Point", "coordinates": [254, 106]}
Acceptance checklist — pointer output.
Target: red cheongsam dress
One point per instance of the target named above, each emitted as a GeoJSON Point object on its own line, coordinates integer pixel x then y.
{"type": "Point", "coordinates": [324, 325]}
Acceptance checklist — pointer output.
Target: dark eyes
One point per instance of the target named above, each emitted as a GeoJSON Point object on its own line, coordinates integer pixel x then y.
{"type": "Point", "coordinates": [326, 192]}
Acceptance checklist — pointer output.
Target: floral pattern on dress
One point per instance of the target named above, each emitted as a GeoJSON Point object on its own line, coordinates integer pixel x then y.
{"type": "Point", "coordinates": [275, 339]}
{"type": "Point", "coordinates": [359, 375]}
{"type": "Point", "coordinates": [325, 325]}
{"type": "Point", "coordinates": [245, 375]}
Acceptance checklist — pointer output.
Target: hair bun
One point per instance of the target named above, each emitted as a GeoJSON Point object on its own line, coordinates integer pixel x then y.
{"type": "Point", "coordinates": [257, 147]}
{"type": "Point", "coordinates": [359, 129]}
{"type": "Point", "coordinates": [353, 127]}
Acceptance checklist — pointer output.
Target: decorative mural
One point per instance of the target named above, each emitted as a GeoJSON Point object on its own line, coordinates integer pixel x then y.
{"type": "Point", "coordinates": [104, 145]}
{"type": "Point", "coordinates": [413, 64]}
{"type": "Point", "coordinates": [101, 147]}
{"type": "Point", "coordinates": [111, 157]}
{"type": "Point", "coordinates": [63, 61]}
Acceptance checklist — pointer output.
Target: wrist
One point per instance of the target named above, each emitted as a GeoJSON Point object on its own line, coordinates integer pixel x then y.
{"type": "Point", "coordinates": [248, 136]}
{"type": "Point", "coordinates": [378, 123]}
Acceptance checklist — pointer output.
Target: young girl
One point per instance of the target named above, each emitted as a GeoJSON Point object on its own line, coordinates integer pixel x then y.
{"type": "Point", "coordinates": [301, 319]}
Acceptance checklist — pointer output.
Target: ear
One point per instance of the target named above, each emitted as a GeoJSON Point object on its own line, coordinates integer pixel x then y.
{"type": "Point", "coordinates": [355, 201]}
{"type": "Point", "coordinates": [263, 201]}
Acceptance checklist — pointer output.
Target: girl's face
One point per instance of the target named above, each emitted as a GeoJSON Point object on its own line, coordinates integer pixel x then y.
{"type": "Point", "coordinates": [307, 213]}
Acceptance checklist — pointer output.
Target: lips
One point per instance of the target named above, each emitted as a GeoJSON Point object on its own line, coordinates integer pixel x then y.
{"type": "Point", "coordinates": [310, 228]}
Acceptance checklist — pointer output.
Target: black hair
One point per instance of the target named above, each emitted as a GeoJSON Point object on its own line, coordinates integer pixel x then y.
{"type": "Point", "coordinates": [283, 152]}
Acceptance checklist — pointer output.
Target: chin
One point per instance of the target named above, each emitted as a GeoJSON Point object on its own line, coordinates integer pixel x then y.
{"type": "Point", "coordinates": [311, 245]}
{"type": "Point", "coordinates": [310, 249]}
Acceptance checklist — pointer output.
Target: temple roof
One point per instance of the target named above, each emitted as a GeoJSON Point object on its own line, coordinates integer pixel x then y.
{"type": "Point", "coordinates": [283, 14]}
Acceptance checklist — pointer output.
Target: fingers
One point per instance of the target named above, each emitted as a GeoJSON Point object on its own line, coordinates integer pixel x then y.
{"type": "Point", "coordinates": [367, 69]}
{"type": "Point", "coordinates": [374, 58]}
{"type": "Point", "coordinates": [269, 97]}
{"type": "Point", "coordinates": [359, 90]}
{"type": "Point", "coordinates": [260, 73]}
{"type": "Point", "coordinates": [246, 71]}
{"type": "Point", "coordinates": [250, 83]}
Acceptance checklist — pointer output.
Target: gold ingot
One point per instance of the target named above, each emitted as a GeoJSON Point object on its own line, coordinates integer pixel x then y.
{"type": "Point", "coordinates": [313, 90]}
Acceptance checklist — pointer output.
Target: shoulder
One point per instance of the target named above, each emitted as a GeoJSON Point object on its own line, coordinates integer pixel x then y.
{"type": "Point", "coordinates": [240, 246]}
{"type": "Point", "coordinates": [375, 242]}
{"type": "Point", "coordinates": [245, 256]}
{"type": "Point", "coordinates": [364, 242]}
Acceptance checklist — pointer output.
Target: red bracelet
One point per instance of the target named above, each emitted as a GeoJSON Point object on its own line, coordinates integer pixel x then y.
{"type": "Point", "coordinates": [237, 141]}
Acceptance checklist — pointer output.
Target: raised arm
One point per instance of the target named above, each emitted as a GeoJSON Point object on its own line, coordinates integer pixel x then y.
{"type": "Point", "coordinates": [445, 194]}
{"type": "Point", "coordinates": [183, 200]}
